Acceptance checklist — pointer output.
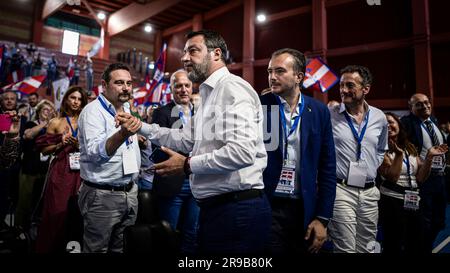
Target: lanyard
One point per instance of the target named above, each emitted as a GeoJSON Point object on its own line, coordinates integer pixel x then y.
{"type": "Point", "coordinates": [408, 167]}
{"type": "Point", "coordinates": [355, 134]}
{"type": "Point", "coordinates": [183, 119]}
{"type": "Point", "coordinates": [74, 132]}
{"type": "Point", "coordinates": [283, 122]}
{"type": "Point", "coordinates": [103, 103]}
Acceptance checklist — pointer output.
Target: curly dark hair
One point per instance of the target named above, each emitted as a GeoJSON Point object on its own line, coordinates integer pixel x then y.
{"type": "Point", "coordinates": [363, 71]}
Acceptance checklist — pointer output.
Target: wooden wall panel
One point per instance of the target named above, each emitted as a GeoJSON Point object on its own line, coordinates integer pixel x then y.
{"type": "Point", "coordinates": [393, 72]}
{"type": "Point", "coordinates": [359, 23]}
{"type": "Point", "coordinates": [440, 59]}
{"type": "Point", "coordinates": [132, 38]}
{"type": "Point", "coordinates": [271, 6]}
{"type": "Point", "coordinates": [229, 25]}
{"type": "Point", "coordinates": [294, 32]}
{"type": "Point", "coordinates": [175, 46]}
{"type": "Point", "coordinates": [439, 16]}
{"type": "Point", "coordinates": [15, 25]}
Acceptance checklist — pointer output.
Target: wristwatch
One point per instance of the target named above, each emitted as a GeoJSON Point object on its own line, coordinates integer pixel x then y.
{"type": "Point", "coordinates": [187, 166]}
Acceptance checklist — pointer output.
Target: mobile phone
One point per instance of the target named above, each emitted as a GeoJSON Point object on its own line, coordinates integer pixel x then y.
{"type": "Point", "coordinates": [5, 122]}
{"type": "Point", "coordinates": [158, 155]}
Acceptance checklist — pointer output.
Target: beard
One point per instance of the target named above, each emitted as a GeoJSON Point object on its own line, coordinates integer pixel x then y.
{"type": "Point", "coordinates": [124, 97]}
{"type": "Point", "coordinates": [199, 72]}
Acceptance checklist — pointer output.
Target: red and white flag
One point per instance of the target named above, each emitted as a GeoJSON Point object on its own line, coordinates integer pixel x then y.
{"type": "Point", "coordinates": [319, 76]}
{"type": "Point", "coordinates": [155, 86]}
{"type": "Point", "coordinates": [31, 85]}
{"type": "Point", "coordinates": [1, 55]}
{"type": "Point", "coordinates": [70, 69]}
{"type": "Point", "coordinates": [97, 89]}
{"type": "Point", "coordinates": [27, 86]}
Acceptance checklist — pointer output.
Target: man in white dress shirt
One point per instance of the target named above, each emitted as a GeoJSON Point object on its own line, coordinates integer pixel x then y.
{"type": "Point", "coordinates": [225, 141]}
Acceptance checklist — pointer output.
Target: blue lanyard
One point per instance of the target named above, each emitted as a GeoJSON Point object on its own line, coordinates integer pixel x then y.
{"type": "Point", "coordinates": [181, 116]}
{"type": "Point", "coordinates": [408, 167]}
{"type": "Point", "coordinates": [103, 103]}
{"type": "Point", "coordinates": [283, 122]}
{"type": "Point", "coordinates": [74, 132]}
{"type": "Point", "coordinates": [355, 134]}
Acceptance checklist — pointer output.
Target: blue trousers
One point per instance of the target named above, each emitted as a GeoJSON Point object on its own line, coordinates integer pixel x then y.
{"type": "Point", "coordinates": [236, 227]}
{"type": "Point", "coordinates": [182, 207]}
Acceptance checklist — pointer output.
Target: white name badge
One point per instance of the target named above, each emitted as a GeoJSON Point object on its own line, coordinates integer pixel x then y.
{"type": "Point", "coordinates": [43, 158]}
{"type": "Point", "coordinates": [74, 161]}
{"type": "Point", "coordinates": [129, 161]}
{"type": "Point", "coordinates": [411, 201]}
{"type": "Point", "coordinates": [286, 184]}
{"type": "Point", "coordinates": [357, 173]}
{"type": "Point", "coordinates": [438, 162]}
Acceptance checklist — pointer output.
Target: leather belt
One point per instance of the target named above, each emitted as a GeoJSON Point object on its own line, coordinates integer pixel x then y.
{"type": "Point", "coordinates": [126, 187]}
{"type": "Point", "coordinates": [229, 197]}
{"type": "Point", "coordinates": [368, 185]}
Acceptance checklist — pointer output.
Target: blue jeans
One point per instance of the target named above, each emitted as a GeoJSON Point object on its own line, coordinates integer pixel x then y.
{"type": "Point", "coordinates": [144, 184]}
{"type": "Point", "coordinates": [236, 227]}
{"type": "Point", "coordinates": [169, 210]}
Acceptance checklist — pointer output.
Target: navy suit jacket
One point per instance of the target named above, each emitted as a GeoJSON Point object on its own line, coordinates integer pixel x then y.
{"type": "Point", "coordinates": [412, 125]}
{"type": "Point", "coordinates": [317, 157]}
{"type": "Point", "coordinates": [167, 186]}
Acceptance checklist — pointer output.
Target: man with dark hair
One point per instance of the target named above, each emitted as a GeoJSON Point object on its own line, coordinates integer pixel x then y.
{"type": "Point", "coordinates": [33, 100]}
{"type": "Point", "coordinates": [109, 164]}
{"type": "Point", "coordinates": [227, 155]}
{"type": "Point", "coordinates": [423, 131]}
{"type": "Point", "coordinates": [300, 177]}
{"type": "Point", "coordinates": [360, 137]}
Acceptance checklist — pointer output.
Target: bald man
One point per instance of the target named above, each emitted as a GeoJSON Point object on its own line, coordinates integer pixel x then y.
{"type": "Point", "coordinates": [423, 131]}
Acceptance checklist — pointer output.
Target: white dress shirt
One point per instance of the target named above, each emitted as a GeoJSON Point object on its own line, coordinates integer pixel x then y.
{"type": "Point", "coordinates": [373, 146]}
{"type": "Point", "coordinates": [225, 137]}
{"type": "Point", "coordinates": [95, 126]}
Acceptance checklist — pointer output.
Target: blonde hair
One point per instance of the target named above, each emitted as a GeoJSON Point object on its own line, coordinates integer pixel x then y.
{"type": "Point", "coordinates": [41, 105]}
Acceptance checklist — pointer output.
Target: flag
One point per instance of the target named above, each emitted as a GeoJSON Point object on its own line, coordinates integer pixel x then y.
{"type": "Point", "coordinates": [98, 89]}
{"type": "Point", "coordinates": [319, 76]}
{"type": "Point", "coordinates": [95, 48]}
{"type": "Point", "coordinates": [31, 84]}
{"type": "Point", "coordinates": [166, 94]}
{"type": "Point", "coordinates": [154, 87]}
{"type": "Point", "coordinates": [2, 49]}
{"type": "Point", "coordinates": [27, 86]}
{"type": "Point", "coordinates": [70, 69]}
{"type": "Point", "coordinates": [59, 89]}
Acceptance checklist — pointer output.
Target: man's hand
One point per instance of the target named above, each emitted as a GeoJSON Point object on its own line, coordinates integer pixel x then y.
{"type": "Point", "coordinates": [319, 233]}
{"type": "Point", "coordinates": [129, 124]}
{"type": "Point", "coordinates": [173, 166]}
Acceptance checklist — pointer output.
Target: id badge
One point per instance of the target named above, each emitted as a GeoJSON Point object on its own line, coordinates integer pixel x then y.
{"type": "Point", "coordinates": [129, 161]}
{"type": "Point", "coordinates": [43, 158]}
{"type": "Point", "coordinates": [438, 163]}
{"type": "Point", "coordinates": [411, 201]}
{"type": "Point", "coordinates": [357, 173]}
{"type": "Point", "coordinates": [286, 184]}
{"type": "Point", "coordinates": [74, 161]}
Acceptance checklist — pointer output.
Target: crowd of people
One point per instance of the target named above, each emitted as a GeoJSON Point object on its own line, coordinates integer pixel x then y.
{"type": "Point", "coordinates": [243, 174]}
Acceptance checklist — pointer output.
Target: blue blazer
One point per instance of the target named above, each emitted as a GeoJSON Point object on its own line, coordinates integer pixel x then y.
{"type": "Point", "coordinates": [317, 157]}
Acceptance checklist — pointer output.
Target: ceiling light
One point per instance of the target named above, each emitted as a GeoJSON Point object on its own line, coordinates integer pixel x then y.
{"type": "Point", "coordinates": [148, 28]}
{"type": "Point", "coordinates": [101, 15]}
{"type": "Point", "coordinates": [261, 18]}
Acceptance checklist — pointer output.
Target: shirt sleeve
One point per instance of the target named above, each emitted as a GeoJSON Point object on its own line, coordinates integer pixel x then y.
{"type": "Point", "coordinates": [236, 124]}
{"type": "Point", "coordinates": [382, 142]}
{"type": "Point", "coordinates": [176, 139]}
{"type": "Point", "coordinates": [92, 128]}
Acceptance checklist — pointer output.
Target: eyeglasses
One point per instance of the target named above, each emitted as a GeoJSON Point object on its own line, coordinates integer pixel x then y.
{"type": "Point", "coordinates": [421, 104]}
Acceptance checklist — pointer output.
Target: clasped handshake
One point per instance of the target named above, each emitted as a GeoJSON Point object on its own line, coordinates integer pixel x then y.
{"type": "Point", "coordinates": [175, 165]}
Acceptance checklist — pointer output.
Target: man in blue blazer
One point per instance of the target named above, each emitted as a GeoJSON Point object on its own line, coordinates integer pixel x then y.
{"type": "Point", "coordinates": [300, 178]}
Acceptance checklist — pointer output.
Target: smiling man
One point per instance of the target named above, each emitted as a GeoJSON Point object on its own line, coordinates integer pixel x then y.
{"type": "Point", "coordinates": [360, 135]}
{"type": "Point", "coordinates": [423, 131]}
